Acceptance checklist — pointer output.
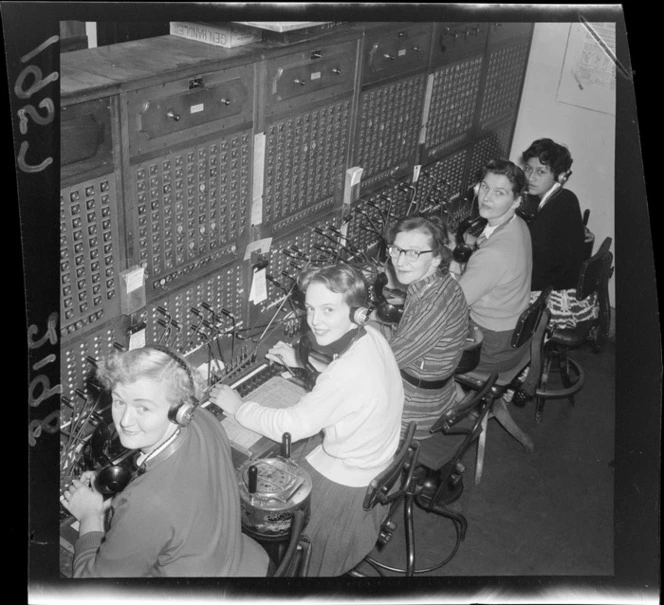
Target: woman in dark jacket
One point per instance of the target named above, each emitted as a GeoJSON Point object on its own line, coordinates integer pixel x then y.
{"type": "Point", "coordinates": [556, 231]}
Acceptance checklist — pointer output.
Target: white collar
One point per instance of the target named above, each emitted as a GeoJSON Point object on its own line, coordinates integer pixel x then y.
{"type": "Point", "coordinates": [488, 229]}
{"type": "Point", "coordinates": [548, 194]}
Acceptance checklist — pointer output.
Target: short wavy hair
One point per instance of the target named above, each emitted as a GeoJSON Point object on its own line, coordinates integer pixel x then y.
{"type": "Point", "coordinates": [340, 278]}
{"type": "Point", "coordinates": [551, 154]}
{"type": "Point", "coordinates": [436, 230]}
{"type": "Point", "coordinates": [126, 367]}
{"type": "Point", "coordinates": [508, 169]}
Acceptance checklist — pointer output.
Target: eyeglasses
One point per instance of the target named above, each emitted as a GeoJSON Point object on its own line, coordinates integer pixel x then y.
{"type": "Point", "coordinates": [411, 255]}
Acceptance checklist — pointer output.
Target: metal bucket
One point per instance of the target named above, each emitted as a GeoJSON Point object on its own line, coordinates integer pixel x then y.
{"type": "Point", "coordinates": [281, 488]}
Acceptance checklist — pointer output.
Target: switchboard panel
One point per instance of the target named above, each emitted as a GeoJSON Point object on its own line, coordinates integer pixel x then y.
{"type": "Point", "coordinates": [89, 258]}
{"type": "Point", "coordinates": [493, 145]}
{"type": "Point", "coordinates": [442, 180]}
{"type": "Point", "coordinates": [78, 362]}
{"type": "Point", "coordinates": [389, 123]}
{"type": "Point", "coordinates": [305, 164]}
{"type": "Point", "coordinates": [506, 65]}
{"type": "Point", "coordinates": [184, 320]}
{"type": "Point", "coordinates": [190, 209]}
{"type": "Point", "coordinates": [451, 113]}
{"type": "Point", "coordinates": [91, 250]}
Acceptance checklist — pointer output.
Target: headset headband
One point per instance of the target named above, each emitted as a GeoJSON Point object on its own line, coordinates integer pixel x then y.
{"type": "Point", "coordinates": [182, 413]}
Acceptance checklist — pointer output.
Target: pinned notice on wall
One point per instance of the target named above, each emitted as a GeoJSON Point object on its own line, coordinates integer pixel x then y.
{"type": "Point", "coordinates": [588, 76]}
{"type": "Point", "coordinates": [260, 245]}
{"type": "Point", "coordinates": [258, 291]}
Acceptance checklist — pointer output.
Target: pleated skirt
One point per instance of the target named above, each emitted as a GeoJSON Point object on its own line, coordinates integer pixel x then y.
{"type": "Point", "coordinates": [342, 533]}
{"type": "Point", "coordinates": [497, 353]}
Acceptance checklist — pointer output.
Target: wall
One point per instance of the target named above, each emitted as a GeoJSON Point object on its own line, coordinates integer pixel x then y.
{"type": "Point", "coordinates": [589, 135]}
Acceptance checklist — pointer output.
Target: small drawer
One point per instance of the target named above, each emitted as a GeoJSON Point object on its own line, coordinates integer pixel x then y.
{"type": "Point", "coordinates": [453, 41]}
{"type": "Point", "coordinates": [396, 52]}
{"type": "Point", "coordinates": [317, 73]}
{"type": "Point", "coordinates": [165, 114]}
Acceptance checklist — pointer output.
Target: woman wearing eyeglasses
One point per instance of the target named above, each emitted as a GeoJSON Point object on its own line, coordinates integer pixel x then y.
{"type": "Point", "coordinates": [496, 280]}
{"type": "Point", "coordinates": [428, 342]}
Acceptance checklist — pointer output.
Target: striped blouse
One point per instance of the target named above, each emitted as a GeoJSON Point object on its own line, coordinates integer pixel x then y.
{"type": "Point", "coordinates": [428, 344]}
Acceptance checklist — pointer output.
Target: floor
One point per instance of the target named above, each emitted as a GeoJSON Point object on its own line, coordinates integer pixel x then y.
{"type": "Point", "coordinates": [540, 514]}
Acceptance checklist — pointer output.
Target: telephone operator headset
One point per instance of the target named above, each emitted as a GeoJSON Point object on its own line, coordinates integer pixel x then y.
{"type": "Point", "coordinates": [116, 474]}
{"type": "Point", "coordinates": [328, 353]}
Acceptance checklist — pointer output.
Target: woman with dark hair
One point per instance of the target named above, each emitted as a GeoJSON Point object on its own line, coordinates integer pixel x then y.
{"type": "Point", "coordinates": [556, 230]}
{"type": "Point", "coordinates": [429, 340]}
{"type": "Point", "coordinates": [180, 515]}
{"type": "Point", "coordinates": [357, 402]}
{"type": "Point", "coordinates": [496, 280]}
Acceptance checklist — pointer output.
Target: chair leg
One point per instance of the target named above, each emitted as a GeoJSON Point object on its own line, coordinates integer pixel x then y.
{"type": "Point", "coordinates": [564, 374]}
{"type": "Point", "coordinates": [539, 408]}
{"type": "Point", "coordinates": [481, 446]}
{"type": "Point", "coordinates": [544, 379]}
{"type": "Point", "coordinates": [410, 535]}
{"type": "Point", "coordinates": [459, 520]}
{"type": "Point", "coordinates": [503, 416]}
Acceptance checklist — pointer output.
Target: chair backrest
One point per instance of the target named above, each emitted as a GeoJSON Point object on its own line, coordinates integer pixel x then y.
{"type": "Point", "coordinates": [295, 562]}
{"type": "Point", "coordinates": [469, 404]}
{"type": "Point", "coordinates": [593, 270]}
{"type": "Point", "coordinates": [404, 460]}
{"type": "Point", "coordinates": [529, 320]}
{"type": "Point", "coordinates": [469, 415]}
{"type": "Point", "coordinates": [604, 319]}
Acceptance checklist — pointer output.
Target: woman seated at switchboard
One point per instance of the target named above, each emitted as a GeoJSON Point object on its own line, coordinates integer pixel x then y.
{"type": "Point", "coordinates": [496, 279]}
{"type": "Point", "coordinates": [180, 514]}
{"type": "Point", "coordinates": [557, 232]}
{"type": "Point", "coordinates": [357, 402]}
{"type": "Point", "coordinates": [431, 334]}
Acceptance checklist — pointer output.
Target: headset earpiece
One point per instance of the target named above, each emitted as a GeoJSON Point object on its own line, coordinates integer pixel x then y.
{"type": "Point", "coordinates": [359, 315]}
{"type": "Point", "coordinates": [563, 176]}
{"type": "Point", "coordinates": [181, 414]}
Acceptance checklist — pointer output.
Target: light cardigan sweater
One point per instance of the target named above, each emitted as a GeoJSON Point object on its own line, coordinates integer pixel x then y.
{"type": "Point", "coordinates": [496, 281]}
{"type": "Point", "coordinates": [357, 401]}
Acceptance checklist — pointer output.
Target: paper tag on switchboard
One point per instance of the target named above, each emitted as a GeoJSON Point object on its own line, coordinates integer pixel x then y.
{"type": "Point", "coordinates": [258, 291]}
